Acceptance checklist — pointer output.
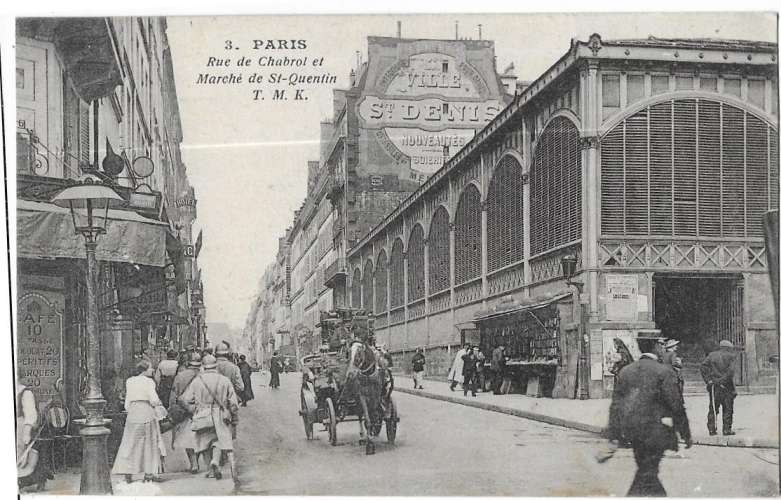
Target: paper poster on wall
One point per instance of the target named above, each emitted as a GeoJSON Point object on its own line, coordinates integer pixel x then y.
{"type": "Point", "coordinates": [39, 345]}
{"type": "Point", "coordinates": [621, 300]}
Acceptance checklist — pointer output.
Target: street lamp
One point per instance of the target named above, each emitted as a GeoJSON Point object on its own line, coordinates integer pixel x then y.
{"type": "Point", "coordinates": [569, 264]}
{"type": "Point", "coordinates": [88, 203]}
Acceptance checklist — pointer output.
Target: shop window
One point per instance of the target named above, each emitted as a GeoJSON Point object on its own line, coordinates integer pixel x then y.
{"type": "Point", "coordinates": [505, 215]}
{"type": "Point", "coordinates": [635, 88]}
{"type": "Point", "coordinates": [368, 286]}
{"type": "Point", "coordinates": [711, 171]}
{"type": "Point", "coordinates": [439, 252]}
{"type": "Point", "coordinates": [732, 86]}
{"type": "Point", "coordinates": [356, 290]}
{"type": "Point", "coordinates": [396, 274]}
{"type": "Point", "coordinates": [381, 284]}
{"type": "Point", "coordinates": [415, 265]}
{"type": "Point", "coordinates": [756, 93]}
{"type": "Point", "coordinates": [555, 187]}
{"type": "Point", "coordinates": [660, 84]}
{"type": "Point", "coordinates": [468, 251]}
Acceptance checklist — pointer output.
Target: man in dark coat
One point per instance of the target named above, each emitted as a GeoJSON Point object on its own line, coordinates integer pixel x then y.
{"type": "Point", "coordinates": [718, 371]}
{"type": "Point", "coordinates": [246, 372]}
{"type": "Point", "coordinates": [275, 368]}
{"type": "Point", "coordinates": [497, 367]}
{"type": "Point", "coordinates": [646, 411]}
{"type": "Point", "coordinates": [418, 367]}
{"type": "Point", "coordinates": [469, 371]}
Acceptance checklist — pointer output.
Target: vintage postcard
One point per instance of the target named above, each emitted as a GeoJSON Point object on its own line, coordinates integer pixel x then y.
{"type": "Point", "coordinates": [418, 255]}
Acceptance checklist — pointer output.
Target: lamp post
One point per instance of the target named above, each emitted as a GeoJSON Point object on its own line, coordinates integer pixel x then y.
{"type": "Point", "coordinates": [86, 202]}
{"type": "Point", "coordinates": [569, 265]}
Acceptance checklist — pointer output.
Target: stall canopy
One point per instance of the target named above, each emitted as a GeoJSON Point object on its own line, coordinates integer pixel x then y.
{"type": "Point", "coordinates": [513, 307]}
{"type": "Point", "coordinates": [45, 231]}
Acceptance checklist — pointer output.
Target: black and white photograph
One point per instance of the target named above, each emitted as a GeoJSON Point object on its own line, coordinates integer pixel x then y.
{"type": "Point", "coordinates": [519, 254]}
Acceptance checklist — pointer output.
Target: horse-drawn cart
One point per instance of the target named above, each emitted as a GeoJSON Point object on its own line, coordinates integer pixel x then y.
{"type": "Point", "coordinates": [348, 384]}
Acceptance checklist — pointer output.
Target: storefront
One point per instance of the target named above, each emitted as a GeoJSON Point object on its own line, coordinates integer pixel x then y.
{"type": "Point", "coordinates": [540, 342]}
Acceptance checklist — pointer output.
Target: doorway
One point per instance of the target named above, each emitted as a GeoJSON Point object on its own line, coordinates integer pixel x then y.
{"type": "Point", "coordinates": [700, 311]}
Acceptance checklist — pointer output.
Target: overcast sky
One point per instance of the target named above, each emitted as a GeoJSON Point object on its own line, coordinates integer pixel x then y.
{"type": "Point", "coordinates": [247, 159]}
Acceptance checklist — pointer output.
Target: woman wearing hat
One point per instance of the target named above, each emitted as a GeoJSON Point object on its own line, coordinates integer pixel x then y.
{"type": "Point", "coordinates": [142, 446]}
{"type": "Point", "coordinates": [183, 437]}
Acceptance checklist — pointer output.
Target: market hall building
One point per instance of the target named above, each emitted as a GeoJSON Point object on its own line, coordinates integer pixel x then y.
{"type": "Point", "coordinates": [408, 106]}
{"type": "Point", "coordinates": [651, 162]}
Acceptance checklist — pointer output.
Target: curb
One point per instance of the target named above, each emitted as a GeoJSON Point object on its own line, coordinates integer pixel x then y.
{"type": "Point", "coordinates": [725, 441]}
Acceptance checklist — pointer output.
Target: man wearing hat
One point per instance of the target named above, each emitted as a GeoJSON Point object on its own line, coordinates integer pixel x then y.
{"type": "Point", "coordinates": [182, 436]}
{"type": "Point", "coordinates": [226, 367]}
{"type": "Point", "coordinates": [164, 375]}
{"type": "Point", "coordinates": [671, 358]}
{"type": "Point", "coordinates": [647, 410]}
{"type": "Point", "coordinates": [718, 371]}
{"type": "Point", "coordinates": [214, 393]}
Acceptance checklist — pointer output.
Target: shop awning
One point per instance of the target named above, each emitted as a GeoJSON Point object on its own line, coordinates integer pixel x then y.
{"type": "Point", "coordinates": [507, 309]}
{"type": "Point", "coordinates": [45, 231]}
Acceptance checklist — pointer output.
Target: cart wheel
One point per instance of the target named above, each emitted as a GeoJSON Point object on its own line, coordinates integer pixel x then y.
{"type": "Point", "coordinates": [391, 423]}
{"type": "Point", "coordinates": [308, 424]}
{"type": "Point", "coordinates": [332, 421]}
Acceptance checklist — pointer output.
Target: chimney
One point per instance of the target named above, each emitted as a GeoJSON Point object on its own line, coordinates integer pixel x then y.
{"type": "Point", "coordinates": [479, 31]}
{"type": "Point", "coordinates": [456, 30]}
{"type": "Point", "coordinates": [398, 29]}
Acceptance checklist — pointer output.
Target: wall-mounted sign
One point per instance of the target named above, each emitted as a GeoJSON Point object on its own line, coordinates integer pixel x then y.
{"type": "Point", "coordinates": [621, 299]}
{"type": "Point", "coordinates": [39, 345]}
{"type": "Point", "coordinates": [188, 250]}
{"type": "Point", "coordinates": [185, 202]}
{"type": "Point", "coordinates": [427, 108]}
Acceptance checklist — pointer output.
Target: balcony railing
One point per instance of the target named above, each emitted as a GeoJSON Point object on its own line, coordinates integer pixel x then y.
{"type": "Point", "coordinates": [335, 274]}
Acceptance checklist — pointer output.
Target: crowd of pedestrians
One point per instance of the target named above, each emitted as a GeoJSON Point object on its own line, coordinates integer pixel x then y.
{"type": "Point", "coordinates": [195, 396]}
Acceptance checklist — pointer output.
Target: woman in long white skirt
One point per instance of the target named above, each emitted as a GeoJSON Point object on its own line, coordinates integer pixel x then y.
{"type": "Point", "coordinates": [142, 448]}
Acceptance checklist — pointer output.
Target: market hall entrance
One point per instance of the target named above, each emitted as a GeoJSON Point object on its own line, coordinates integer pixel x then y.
{"type": "Point", "coordinates": [700, 311]}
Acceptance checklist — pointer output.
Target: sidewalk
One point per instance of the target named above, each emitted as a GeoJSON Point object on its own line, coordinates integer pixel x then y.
{"type": "Point", "coordinates": [755, 421]}
{"type": "Point", "coordinates": [176, 482]}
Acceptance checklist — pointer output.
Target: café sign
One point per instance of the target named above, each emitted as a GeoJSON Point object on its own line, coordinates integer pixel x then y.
{"type": "Point", "coordinates": [39, 345]}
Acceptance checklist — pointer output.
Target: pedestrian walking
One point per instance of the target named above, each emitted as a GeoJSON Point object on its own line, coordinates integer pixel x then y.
{"type": "Point", "coordinates": [718, 371]}
{"type": "Point", "coordinates": [31, 466]}
{"type": "Point", "coordinates": [456, 376]}
{"type": "Point", "coordinates": [646, 411]}
{"type": "Point", "coordinates": [142, 449]}
{"type": "Point", "coordinates": [182, 435]}
{"type": "Point", "coordinates": [418, 368]}
{"type": "Point", "coordinates": [469, 371]}
{"type": "Point", "coordinates": [275, 368]}
{"type": "Point", "coordinates": [246, 372]}
{"type": "Point", "coordinates": [164, 376]}
{"type": "Point", "coordinates": [480, 367]}
{"type": "Point", "coordinates": [212, 401]}
{"type": "Point", "coordinates": [497, 367]}
{"type": "Point", "coordinates": [226, 367]}
{"type": "Point", "coordinates": [671, 359]}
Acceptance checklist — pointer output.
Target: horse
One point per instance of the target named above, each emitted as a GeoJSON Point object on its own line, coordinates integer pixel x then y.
{"type": "Point", "coordinates": [370, 381]}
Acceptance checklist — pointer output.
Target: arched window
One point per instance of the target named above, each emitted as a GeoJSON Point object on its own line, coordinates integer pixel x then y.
{"type": "Point", "coordinates": [396, 274]}
{"type": "Point", "coordinates": [368, 286]}
{"type": "Point", "coordinates": [356, 289]}
{"type": "Point", "coordinates": [415, 261]}
{"type": "Point", "coordinates": [555, 186]}
{"type": "Point", "coordinates": [439, 252]}
{"type": "Point", "coordinates": [381, 284]}
{"type": "Point", "coordinates": [689, 167]}
{"type": "Point", "coordinates": [468, 237]}
{"type": "Point", "coordinates": [505, 215]}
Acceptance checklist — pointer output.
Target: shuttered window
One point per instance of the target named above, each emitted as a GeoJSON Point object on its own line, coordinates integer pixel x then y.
{"type": "Point", "coordinates": [468, 249]}
{"type": "Point", "coordinates": [356, 290]}
{"type": "Point", "coordinates": [415, 265]}
{"type": "Point", "coordinates": [505, 215]}
{"type": "Point", "coordinates": [555, 187]}
{"type": "Point", "coordinates": [381, 284]}
{"type": "Point", "coordinates": [396, 274]}
{"type": "Point", "coordinates": [689, 167]}
{"type": "Point", "coordinates": [439, 252]}
{"type": "Point", "coordinates": [368, 288]}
